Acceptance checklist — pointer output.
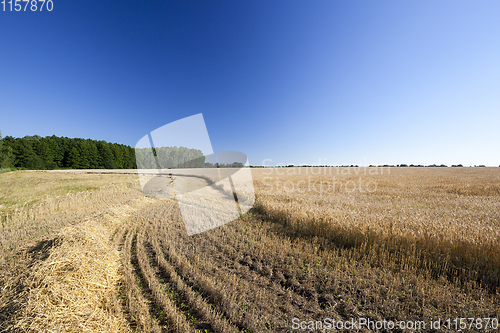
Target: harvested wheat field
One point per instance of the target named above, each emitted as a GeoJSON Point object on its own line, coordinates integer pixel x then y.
{"type": "Point", "coordinates": [91, 253]}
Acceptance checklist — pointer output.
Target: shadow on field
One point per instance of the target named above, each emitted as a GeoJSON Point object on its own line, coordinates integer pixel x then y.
{"type": "Point", "coordinates": [41, 250]}
{"type": "Point", "coordinates": [459, 262]}
{"type": "Point", "coordinates": [13, 285]}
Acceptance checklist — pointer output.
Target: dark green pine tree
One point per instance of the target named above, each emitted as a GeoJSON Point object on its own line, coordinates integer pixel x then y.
{"type": "Point", "coordinates": [6, 152]}
{"type": "Point", "coordinates": [108, 161]}
{"type": "Point", "coordinates": [95, 160]}
{"type": "Point", "coordinates": [56, 151]}
{"type": "Point", "coordinates": [132, 161]}
{"type": "Point", "coordinates": [83, 149]}
{"type": "Point", "coordinates": [73, 158]}
{"type": "Point", "coordinates": [43, 151]}
{"type": "Point", "coordinates": [118, 155]}
{"type": "Point", "coordinates": [24, 155]}
{"type": "Point", "coordinates": [126, 157]}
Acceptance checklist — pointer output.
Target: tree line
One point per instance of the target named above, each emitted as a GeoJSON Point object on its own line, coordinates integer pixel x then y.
{"type": "Point", "coordinates": [169, 158]}
{"type": "Point", "coordinates": [175, 158]}
{"type": "Point", "coordinates": [52, 152]}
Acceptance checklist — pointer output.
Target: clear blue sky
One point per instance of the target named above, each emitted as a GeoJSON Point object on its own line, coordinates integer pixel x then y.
{"type": "Point", "coordinates": [344, 82]}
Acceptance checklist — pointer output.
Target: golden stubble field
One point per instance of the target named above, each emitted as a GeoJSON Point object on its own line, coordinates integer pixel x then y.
{"type": "Point", "coordinates": [95, 254]}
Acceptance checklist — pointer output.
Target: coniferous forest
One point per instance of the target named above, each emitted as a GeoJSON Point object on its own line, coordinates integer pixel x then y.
{"type": "Point", "coordinates": [52, 152]}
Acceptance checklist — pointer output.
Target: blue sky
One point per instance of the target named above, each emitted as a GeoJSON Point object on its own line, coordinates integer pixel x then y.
{"type": "Point", "coordinates": [296, 82]}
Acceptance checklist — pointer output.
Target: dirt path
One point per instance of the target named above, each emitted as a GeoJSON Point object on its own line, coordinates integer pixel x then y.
{"type": "Point", "coordinates": [158, 183]}
{"type": "Point", "coordinates": [163, 187]}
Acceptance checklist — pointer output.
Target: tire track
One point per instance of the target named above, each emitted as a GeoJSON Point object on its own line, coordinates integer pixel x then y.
{"type": "Point", "coordinates": [175, 317]}
{"type": "Point", "coordinates": [200, 307]}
